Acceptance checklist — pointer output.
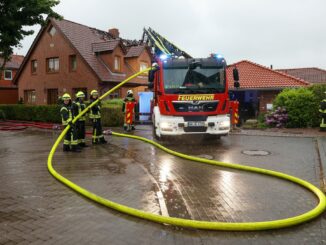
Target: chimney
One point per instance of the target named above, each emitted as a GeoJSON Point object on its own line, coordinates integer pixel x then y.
{"type": "Point", "coordinates": [114, 32]}
{"type": "Point", "coordinates": [271, 67]}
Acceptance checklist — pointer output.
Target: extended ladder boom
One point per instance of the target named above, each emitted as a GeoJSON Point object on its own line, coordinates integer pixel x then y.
{"type": "Point", "coordinates": [161, 45]}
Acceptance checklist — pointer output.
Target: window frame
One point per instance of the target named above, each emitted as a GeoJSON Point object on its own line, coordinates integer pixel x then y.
{"type": "Point", "coordinates": [32, 66]}
{"type": "Point", "coordinates": [48, 65]}
{"type": "Point", "coordinates": [4, 75]}
{"type": "Point", "coordinates": [117, 58]}
{"type": "Point", "coordinates": [27, 95]}
{"type": "Point", "coordinates": [71, 58]}
{"type": "Point", "coordinates": [143, 63]}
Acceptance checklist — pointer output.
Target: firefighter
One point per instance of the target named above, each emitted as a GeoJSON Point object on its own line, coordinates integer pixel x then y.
{"type": "Point", "coordinates": [80, 124]}
{"type": "Point", "coordinates": [67, 115]}
{"type": "Point", "coordinates": [95, 116]}
{"type": "Point", "coordinates": [128, 98]}
{"type": "Point", "coordinates": [322, 110]}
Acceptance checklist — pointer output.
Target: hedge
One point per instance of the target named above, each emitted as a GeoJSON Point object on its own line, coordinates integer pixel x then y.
{"type": "Point", "coordinates": [302, 105]}
{"type": "Point", "coordinates": [111, 115]}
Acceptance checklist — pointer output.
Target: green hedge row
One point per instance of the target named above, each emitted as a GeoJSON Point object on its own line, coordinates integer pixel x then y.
{"type": "Point", "coordinates": [302, 105]}
{"type": "Point", "coordinates": [111, 115]}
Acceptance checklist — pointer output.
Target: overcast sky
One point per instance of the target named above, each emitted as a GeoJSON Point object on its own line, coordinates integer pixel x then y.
{"type": "Point", "coordinates": [285, 33]}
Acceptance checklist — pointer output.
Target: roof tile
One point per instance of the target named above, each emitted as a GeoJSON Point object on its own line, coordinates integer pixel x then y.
{"type": "Point", "coordinates": [255, 76]}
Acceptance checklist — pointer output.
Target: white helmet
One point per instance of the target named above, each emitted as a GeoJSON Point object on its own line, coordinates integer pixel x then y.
{"type": "Point", "coordinates": [129, 92]}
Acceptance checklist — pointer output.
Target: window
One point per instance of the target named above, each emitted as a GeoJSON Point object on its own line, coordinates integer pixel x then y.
{"type": "Point", "coordinates": [34, 66]}
{"type": "Point", "coordinates": [8, 75]}
{"type": "Point", "coordinates": [52, 96]}
{"type": "Point", "coordinates": [143, 66]}
{"type": "Point", "coordinates": [52, 65]}
{"type": "Point", "coordinates": [117, 61]}
{"type": "Point", "coordinates": [72, 63]}
{"type": "Point", "coordinates": [52, 31]}
{"type": "Point", "coordinates": [29, 96]}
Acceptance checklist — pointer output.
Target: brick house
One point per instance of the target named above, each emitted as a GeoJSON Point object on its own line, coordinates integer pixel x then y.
{"type": "Point", "coordinates": [259, 86]}
{"type": "Point", "coordinates": [8, 90]}
{"type": "Point", "coordinates": [67, 57]}
{"type": "Point", "coordinates": [312, 75]}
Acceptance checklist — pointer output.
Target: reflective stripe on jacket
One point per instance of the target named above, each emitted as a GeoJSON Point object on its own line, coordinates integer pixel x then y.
{"type": "Point", "coordinates": [95, 111]}
{"type": "Point", "coordinates": [79, 108]}
{"type": "Point", "coordinates": [66, 115]}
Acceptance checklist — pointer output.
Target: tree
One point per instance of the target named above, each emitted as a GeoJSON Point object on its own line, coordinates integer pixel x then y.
{"type": "Point", "coordinates": [17, 14]}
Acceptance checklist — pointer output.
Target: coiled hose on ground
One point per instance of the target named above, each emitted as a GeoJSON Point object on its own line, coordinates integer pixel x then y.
{"type": "Point", "coordinates": [244, 226]}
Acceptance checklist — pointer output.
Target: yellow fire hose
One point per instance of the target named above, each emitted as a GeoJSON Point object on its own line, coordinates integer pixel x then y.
{"type": "Point", "coordinates": [245, 226]}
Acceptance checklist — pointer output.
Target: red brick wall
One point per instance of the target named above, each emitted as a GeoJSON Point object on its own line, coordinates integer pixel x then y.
{"type": "Point", "coordinates": [64, 80]}
{"type": "Point", "coordinates": [266, 97]}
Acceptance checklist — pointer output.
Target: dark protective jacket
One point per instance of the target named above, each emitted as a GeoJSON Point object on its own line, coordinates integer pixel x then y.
{"type": "Point", "coordinates": [95, 111]}
{"type": "Point", "coordinates": [80, 106]}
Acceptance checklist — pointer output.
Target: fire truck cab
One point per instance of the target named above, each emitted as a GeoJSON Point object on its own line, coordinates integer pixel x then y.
{"type": "Point", "coordinates": [190, 96]}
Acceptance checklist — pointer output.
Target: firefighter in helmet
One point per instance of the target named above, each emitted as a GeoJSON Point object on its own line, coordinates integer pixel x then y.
{"type": "Point", "coordinates": [95, 116]}
{"type": "Point", "coordinates": [128, 98]}
{"type": "Point", "coordinates": [322, 110]}
{"type": "Point", "coordinates": [67, 115]}
{"type": "Point", "coordinates": [80, 124]}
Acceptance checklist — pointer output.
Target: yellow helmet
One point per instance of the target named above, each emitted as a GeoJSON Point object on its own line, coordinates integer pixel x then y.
{"type": "Point", "coordinates": [94, 92]}
{"type": "Point", "coordinates": [66, 96]}
{"type": "Point", "coordinates": [80, 94]}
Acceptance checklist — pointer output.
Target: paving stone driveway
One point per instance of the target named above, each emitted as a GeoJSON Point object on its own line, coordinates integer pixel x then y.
{"type": "Point", "coordinates": [37, 209]}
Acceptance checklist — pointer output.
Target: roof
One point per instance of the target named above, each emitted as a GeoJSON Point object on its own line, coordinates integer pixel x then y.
{"type": "Point", "coordinates": [14, 62]}
{"type": "Point", "coordinates": [105, 46]}
{"type": "Point", "coordinates": [255, 76]}
{"type": "Point", "coordinates": [135, 51]}
{"type": "Point", "coordinates": [313, 75]}
{"type": "Point", "coordinates": [87, 41]}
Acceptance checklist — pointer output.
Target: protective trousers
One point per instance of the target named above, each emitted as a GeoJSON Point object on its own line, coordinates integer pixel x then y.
{"type": "Point", "coordinates": [81, 132]}
{"type": "Point", "coordinates": [70, 141]}
{"type": "Point", "coordinates": [98, 136]}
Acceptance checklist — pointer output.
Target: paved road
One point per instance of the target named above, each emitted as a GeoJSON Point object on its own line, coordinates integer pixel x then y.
{"type": "Point", "coordinates": [35, 208]}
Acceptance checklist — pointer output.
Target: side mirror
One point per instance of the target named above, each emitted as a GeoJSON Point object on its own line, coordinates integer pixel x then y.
{"type": "Point", "coordinates": [236, 84]}
{"type": "Point", "coordinates": [235, 74]}
{"type": "Point", "coordinates": [150, 85]}
{"type": "Point", "coordinates": [151, 74]}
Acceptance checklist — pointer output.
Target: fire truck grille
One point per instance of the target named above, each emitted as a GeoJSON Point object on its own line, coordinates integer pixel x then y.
{"type": "Point", "coordinates": [195, 106]}
{"type": "Point", "coordinates": [195, 129]}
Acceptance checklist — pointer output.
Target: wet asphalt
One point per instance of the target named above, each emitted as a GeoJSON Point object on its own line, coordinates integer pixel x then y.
{"type": "Point", "coordinates": [36, 208]}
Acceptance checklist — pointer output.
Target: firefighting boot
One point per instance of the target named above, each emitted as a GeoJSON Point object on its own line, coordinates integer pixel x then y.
{"type": "Point", "coordinates": [66, 147]}
{"type": "Point", "coordinates": [102, 140]}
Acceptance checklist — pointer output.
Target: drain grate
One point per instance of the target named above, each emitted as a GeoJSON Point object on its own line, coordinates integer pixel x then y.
{"type": "Point", "coordinates": [256, 152]}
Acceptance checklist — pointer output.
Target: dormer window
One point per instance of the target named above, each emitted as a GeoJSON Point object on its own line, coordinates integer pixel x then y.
{"type": "Point", "coordinates": [52, 31]}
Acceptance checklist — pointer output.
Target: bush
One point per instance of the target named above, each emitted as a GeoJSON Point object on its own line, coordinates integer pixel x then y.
{"type": "Point", "coordinates": [116, 102]}
{"type": "Point", "coordinates": [301, 105]}
{"type": "Point", "coordinates": [111, 115]}
{"type": "Point", "coordinates": [277, 118]}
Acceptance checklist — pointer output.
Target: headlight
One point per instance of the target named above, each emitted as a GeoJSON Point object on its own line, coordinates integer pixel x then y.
{"type": "Point", "coordinates": [224, 124]}
{"type": "Point", "coordinates": [166, 126]}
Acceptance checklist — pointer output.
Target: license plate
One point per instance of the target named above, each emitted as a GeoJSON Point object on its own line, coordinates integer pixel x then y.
{"type": "Point", "coordinates": [196, 124]}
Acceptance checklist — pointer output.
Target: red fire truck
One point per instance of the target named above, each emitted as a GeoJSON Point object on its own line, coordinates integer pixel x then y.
{"type": "Point", "coordinates": [190, 94]}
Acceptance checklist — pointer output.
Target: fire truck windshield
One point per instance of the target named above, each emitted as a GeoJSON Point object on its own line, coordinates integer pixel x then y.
{"type": "Point", "coordinates": [200, 80]}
